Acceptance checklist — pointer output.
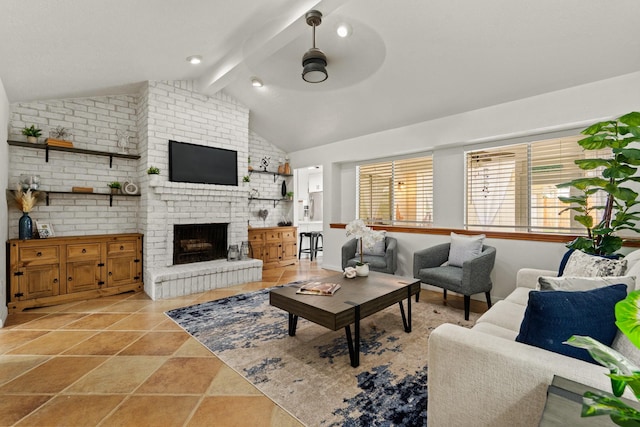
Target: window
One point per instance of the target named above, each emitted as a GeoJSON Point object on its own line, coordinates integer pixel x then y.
{"type": "Point", "coordinates": [398, 192]}
{"type": "Point", "coordinates": [513, 188]}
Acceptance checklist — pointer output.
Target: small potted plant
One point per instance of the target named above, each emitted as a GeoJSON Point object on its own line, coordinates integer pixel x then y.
{"type": "Point", "coordinates": [290, 195]}
{"type": "Point", "coordinates": [115, 187]}
{"type": "Point", "coordinates": [32, 133]}
{"type": "Point", "coordinates": [154, 174]}
{"type": "Point", "coordinates": [246, 178]}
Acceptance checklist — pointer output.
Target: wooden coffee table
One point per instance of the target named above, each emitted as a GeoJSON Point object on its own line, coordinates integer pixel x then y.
{"type": "Point", "coordinates": [356, 299]}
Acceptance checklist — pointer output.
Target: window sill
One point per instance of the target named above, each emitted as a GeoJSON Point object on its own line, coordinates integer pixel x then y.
{"type": "Point", "coordinates": [532, 237]}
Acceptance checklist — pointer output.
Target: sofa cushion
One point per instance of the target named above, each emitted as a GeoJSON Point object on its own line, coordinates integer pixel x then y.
{"type": "Point", "coordinates": [464, 248]}
{"type": "Point", "coordinates": [451, 276]}
{"type": "Point", "coordinates": [495, 330]}
{"type": "Point", "coordinates": [520, 295]}
{"type": "Point", "coordinates": [504, 314]}
{"type": "Point", "coordinates": [623, 345]}
{"type": "Point", "coordinates": [571, 283]}
{"type": "Point", "coordinates": [585, 265]}
{"type": "Point", "coordinates": [552, 317]}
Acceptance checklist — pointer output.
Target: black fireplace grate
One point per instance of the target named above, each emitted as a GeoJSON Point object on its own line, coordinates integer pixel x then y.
{"type": "Point", "coordinates": [199, 242]}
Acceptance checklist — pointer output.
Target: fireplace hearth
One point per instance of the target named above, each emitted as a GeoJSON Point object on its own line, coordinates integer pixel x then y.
{"type": "Point", "coordinates": [199, 242]}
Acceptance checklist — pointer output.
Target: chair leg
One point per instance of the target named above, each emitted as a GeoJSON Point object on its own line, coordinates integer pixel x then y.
{"type": "Point", "coordinates": [488, 295]}
{"type": "Point", "coordinates": [467, 304]}
{"type": "Point", "coordinates": [444, 294]}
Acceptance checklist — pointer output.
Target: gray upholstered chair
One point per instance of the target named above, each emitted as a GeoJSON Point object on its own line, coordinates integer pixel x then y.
{"type": "Point", "coordinates": [388, 263]}
{"type": "Point", "coordinates": [472, 278]}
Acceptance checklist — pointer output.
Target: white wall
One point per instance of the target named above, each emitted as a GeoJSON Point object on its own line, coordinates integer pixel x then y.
{"type": "Point", "coordinates": [4, 179]}
{"type": "Point", "coordinates": [446, 137]}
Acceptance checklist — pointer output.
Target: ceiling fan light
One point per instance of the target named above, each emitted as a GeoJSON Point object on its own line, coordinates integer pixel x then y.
{"type": "Point", "coordinates": [314, 72]}
{"type": "Point", "coordinates": [314, 61]}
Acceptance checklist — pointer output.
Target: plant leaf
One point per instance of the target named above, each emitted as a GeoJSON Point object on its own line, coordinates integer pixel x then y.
{"type": "Point", "coordinates": [631, 119]}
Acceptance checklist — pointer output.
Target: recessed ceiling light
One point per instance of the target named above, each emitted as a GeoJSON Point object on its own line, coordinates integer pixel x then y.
{"type": "Point", "coordinates": [344, 30]}
{"type": "Point", "coordinates": [194, 59]}
{"type": "Point", "coordinates": [256, 82]}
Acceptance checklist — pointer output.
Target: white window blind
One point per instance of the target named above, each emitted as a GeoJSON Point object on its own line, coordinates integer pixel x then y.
{"type": "Point", "coordinates": [513, 188]}
{"type": "Point", "coordinates": [398, 192]}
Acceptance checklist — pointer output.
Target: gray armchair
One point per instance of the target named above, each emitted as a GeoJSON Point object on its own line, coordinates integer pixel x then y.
{"type": "Point", "coordinates": [472, 278]}
{"type": "Point", "coordinates": [383, 264]}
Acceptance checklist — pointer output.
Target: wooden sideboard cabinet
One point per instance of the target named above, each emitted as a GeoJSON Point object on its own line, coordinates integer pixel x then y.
{"type": "Point", "coordinates": [57, 270]}
{"type": "Point", "coordinates": [275, 246]}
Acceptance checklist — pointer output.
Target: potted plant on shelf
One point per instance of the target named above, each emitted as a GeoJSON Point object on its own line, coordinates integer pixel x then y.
{"type": "Point", "coordinates": [115, 187]}
{"type": "Point", "coordinates": [367, 239]}
{"type": "Point", "coordinates": [246, 178]}
{"type": "Point", "coordinates": [154, 174]}
{"type": "Point", "coordinates": [290, 195]}
{"type": "Point", "coordinates": [620, 212]}
{"type": "Point", "coordinates": [32, 133]}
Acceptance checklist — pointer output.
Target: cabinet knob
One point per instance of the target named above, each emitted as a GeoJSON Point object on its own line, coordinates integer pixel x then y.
{"type": "Point", "coordinates": [110, 274]}
{"type": "Point", "coordinates": [55, 280]}
{"type": "Point", "coordinates": [38, 253]}
{"type": "Point", "coordinates": [84, 251]}
{"type": "Point", "coordinates": [70, 279]}
{"type": "Point", "coordinates": [122, 248]}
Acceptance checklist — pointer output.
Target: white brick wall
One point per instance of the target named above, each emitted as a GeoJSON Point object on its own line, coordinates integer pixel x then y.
{"type": "Point", "coordinates": [162, 111]}
{"type": "Point", "coordinates": [94, 123]}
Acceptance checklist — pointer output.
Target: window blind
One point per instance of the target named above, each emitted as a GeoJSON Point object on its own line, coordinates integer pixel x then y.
{"type": "Point", "coordinates": [514, 187]}
{"type": "Point", "coordinates": [398, 192]}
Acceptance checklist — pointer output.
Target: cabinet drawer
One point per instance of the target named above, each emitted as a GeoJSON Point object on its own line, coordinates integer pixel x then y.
{"type": "Point", "coordinates": [289, 235]}
{"type": "Point", "coordinates": [256, 237]}
{"type": "Point", "coordinates": [40, 255]}
{"type": "Point", "coordinates": [273, 235]}
{"type": "Point", "coordinates": [83, 251]}
{"type": "Point", "coordinates": [121, 248]}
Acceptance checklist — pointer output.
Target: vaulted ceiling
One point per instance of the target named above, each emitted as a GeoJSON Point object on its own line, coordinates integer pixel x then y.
{"type": "Point", "coordinates": [406, 61]}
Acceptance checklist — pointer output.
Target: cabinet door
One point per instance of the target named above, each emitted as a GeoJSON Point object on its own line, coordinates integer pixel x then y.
{"type": "Point", "coordinates": [84, 268]}
{"type": "Point", "coordinates": [123, 263]}
{"type": "Point", "coordinates": [273, 252]}
{"type": "Point", "coordinates": [289, 250]}
{"type": "Point", "coordinates": [37, 281]}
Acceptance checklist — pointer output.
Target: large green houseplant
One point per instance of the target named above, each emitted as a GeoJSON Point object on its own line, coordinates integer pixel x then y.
{"type": "Point", "coordinates": [620, 212]}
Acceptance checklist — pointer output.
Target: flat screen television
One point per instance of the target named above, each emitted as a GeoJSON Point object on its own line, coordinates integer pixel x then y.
{"type": "Point", "coordinates": [201, 164]}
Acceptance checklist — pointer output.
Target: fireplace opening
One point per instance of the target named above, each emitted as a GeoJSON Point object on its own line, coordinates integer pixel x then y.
{"type": "Point", "coordinates": [199, 242]}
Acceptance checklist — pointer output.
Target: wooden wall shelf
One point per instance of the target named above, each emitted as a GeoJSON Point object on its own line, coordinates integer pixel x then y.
{"type": "Point", "coordinates": [48, 148]}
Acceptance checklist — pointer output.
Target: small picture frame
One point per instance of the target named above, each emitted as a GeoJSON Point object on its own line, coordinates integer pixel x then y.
{"type": "Point", "coordinates": [44, 230]}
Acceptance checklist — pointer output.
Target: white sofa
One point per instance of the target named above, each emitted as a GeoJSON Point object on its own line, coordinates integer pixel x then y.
{"type": "Point", "coordinates": [483, 377]}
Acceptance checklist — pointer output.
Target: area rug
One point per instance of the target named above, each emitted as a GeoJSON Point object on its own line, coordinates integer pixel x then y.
{"type": "Point", "coordinates": [309, 375]}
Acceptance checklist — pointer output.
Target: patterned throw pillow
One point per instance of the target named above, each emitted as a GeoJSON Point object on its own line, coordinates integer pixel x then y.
{"type": "Point", "coordinates": [378, 249]}
{"type": "Point", "coordinates": [580, 264]}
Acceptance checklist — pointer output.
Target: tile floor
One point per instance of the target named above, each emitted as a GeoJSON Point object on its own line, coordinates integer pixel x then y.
{"type": "Point", "coordinates": [120, 361]}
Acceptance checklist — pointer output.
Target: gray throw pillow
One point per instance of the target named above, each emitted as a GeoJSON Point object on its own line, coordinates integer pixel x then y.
{"type": "Point", "coordinates": [464, 248]}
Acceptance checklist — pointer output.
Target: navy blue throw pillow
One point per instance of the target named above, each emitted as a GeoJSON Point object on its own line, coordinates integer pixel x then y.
{"type": "Point", "coordinates": [552, 317]}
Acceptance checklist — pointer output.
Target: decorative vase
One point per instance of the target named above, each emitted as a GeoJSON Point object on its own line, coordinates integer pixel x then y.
{"type": "Point", "coordinates": [32, 139]}
{"type": "Point", "coordinates": [362, 270]}
{"type": "Point", "coordinates": [287, 168]}
{"type": "Point", "coordinates": [154, 179]}
{"type": "Point", "coordinates": [25, 227]}
{"type": "Point", "coordinates": [233, 253]}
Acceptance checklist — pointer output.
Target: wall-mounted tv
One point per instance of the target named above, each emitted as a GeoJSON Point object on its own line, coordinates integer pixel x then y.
{"type": "Point", "coordinates": [201, 164]}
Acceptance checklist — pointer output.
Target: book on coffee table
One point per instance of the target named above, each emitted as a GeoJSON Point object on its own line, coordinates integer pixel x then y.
{"type": "Point", "coordinates": [318, 288]}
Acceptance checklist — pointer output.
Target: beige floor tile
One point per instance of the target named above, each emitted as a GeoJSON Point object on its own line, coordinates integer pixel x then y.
{"type": "Point", "coordinates": [12, 338]}
{"type": "Point", "coordinates": [15, 407]}
{"type": "Point", "coordinates": [225, 410]}
{"type": "Point", "coordinates": [17, 319]}
{"type": "Point", "coordinates": [182, 375]}
{"type": "Point", "coordinates": [127, 306]}
{"type": "Point", "coordinates": [166, 411]}
{"type": "Point", "coordinates": [281, 418]}
{"type": "Point", "coordinates": [139, 322]}
{"type": "Point", "coordinates": [52, 321]}
{"type": "Point", "coordinates": [193, 348]}
{"type": "Point", "coordinates": [228, 382]}
{"type": "Point", "coordinates": [156, 344]}
{"type": "Point", "coordinates": [70, 410]}
{"type": "Point", "coordinates": [95, 321]}
{"type": "Point", "coordinates": [52, 376]}
{"type": "Point", "coordinates": [105, 343]}
{"type": "Point", "coordinates": [119, 374]}
{"type": "Point", "coordinates": [54, 342]}
{"type": "Point", "coordinates": [13, 366]}
{"type": "Point", "coordinates": [168, 325]}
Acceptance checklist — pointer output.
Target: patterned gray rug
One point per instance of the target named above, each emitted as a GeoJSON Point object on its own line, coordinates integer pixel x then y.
{"type": "Point", "coordinates": [309, 375]}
